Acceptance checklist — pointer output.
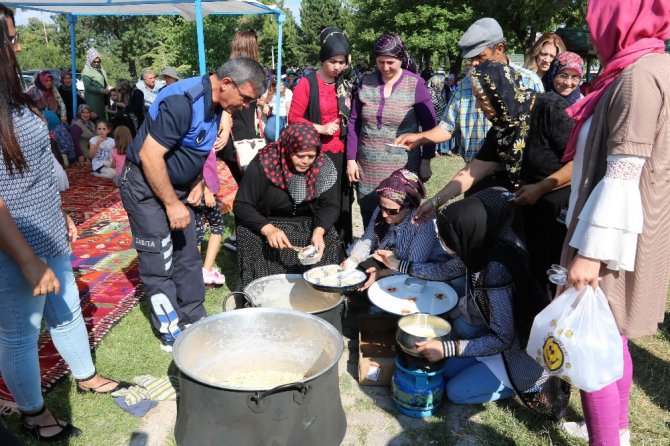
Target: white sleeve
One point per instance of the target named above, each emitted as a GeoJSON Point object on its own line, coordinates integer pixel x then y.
{"type": "Point", "coordinates": [61, 176]}
{"type": "Point", "coordinates": [611, 220]}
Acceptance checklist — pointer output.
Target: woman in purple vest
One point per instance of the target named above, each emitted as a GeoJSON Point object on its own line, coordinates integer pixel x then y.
{"type": "Point", "coordinates": [389, 102]}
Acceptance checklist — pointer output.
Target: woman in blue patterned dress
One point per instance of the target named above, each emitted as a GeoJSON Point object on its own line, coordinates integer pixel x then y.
{"type": "Point", "coordinates": [36, 277]}
{"type": "Point", "coordinates": [399, 246]}
{"type": "Point", "coordinates": [486, 356]}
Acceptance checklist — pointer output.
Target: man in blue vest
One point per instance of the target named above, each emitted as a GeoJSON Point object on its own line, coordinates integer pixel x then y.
{"type": "Point", "coordinates": [163, 174]}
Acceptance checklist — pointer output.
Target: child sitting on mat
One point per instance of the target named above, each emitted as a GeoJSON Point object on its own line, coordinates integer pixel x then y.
{"type": "Point", "coordinates": [100, 149]}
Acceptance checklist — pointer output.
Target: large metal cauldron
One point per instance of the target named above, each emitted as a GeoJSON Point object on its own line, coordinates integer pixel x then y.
{"type": "Point", "coordinates": [307, 412]}
{"type": "Point", "coordinates": [291, 291]}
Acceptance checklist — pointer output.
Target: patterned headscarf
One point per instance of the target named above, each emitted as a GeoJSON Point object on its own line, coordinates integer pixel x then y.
{"type": "Point", "coordinates": [403, 187]}
{"type": "Point", "coordinates": [89, 124]}
{"type": "Point", "coordinates": [275, 159]}
{"type": "Point", "coordinates": [564, 61]}
{"type": "Point", "coordinates": [43, 97]}
{"type": "Point", "coordinates": [501, 85]}
{"type": "Point", "coordinates": [91, 55]}
{"type": "Point", "coordinates": [392, 45]}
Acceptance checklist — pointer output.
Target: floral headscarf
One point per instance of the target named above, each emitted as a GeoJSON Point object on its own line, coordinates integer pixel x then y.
{"type": "Point", "coordinates": [501, 85]}
{"type": "Point", "coordinates": [564, 61]}
{"type": "Point", "coordinates": [275, 159]}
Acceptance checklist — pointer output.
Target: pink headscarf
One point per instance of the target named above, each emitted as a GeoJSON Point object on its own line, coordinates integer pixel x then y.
{"type": "Point", "coordinates": [622, 31]}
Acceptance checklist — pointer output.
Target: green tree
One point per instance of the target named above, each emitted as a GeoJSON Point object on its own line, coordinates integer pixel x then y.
{"type": "Point", "coordinates": [39, 48]}
{"type": "Point", "coordinates": [315, 15]}
{"type": "Point", "coordinates": [430, 28]}
{"type": "Point", "coordinates": [268, 28]}
{"type": "Point", "coordinates": [521, 20]}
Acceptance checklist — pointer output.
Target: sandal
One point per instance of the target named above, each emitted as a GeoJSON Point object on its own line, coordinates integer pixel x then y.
{"type": "Point", "coordinates": [119, 385]}
{"type": "Point", "coordinates": [67, 429]}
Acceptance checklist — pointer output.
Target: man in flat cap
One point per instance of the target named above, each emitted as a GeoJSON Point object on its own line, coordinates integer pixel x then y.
{"type": "Point", "coordinates": [482, 41]}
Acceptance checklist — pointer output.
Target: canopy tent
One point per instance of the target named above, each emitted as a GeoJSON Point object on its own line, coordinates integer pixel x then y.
{"type": "Point", "coordinates": [196, 10]}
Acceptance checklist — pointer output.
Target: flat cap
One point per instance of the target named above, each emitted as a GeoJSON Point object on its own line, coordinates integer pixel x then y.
{"type": "Point", "coordinates": [479, 35]}
{"type": "Point", "coordinates": [171, 72]}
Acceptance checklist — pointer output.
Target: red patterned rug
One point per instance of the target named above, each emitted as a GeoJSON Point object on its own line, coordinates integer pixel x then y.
{"type": "Point", "coordinates": [104, 264]}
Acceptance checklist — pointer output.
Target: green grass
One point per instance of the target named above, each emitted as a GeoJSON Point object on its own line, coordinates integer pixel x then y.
{"type": "Point", "coordinates": [131, 349]}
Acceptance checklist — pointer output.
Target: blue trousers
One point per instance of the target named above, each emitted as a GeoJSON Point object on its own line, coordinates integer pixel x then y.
{"type": "Point", "coordinates": [169, 261]}
{"type": "Point", "coordinates": [471, 382]}
{"type": "Point", "coordinates": [468, 380]}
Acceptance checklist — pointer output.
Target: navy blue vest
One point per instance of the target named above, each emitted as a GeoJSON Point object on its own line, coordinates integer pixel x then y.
{"type": "Point", "coordinates": [187, 158]}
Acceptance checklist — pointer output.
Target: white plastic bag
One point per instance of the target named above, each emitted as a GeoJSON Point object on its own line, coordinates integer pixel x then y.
{"type": "Point", "coordinates": [576, 337]}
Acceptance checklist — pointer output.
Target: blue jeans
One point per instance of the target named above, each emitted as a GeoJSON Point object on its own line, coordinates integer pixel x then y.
{"type": "Point", "coordinates": [471, 382]}
{"type": "Point", "coordinates": [20, 321]}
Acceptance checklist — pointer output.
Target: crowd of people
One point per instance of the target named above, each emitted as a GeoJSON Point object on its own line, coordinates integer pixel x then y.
{"type": "Point", "coordinates": [554, 174]}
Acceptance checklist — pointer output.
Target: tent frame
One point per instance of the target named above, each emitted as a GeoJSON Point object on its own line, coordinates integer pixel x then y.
{"type": "Point", "coordinates": [72, 20]}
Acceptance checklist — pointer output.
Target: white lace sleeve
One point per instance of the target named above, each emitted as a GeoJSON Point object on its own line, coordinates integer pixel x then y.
{"type": "Point", "coordinates": [611, 220]}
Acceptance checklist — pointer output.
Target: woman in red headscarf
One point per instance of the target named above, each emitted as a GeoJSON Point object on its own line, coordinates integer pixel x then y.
{"type": "Point", "coordinates": [46, 95]}
{"type": "Point", "coordinates": [286, 199]}
{"type": "Point", "coordinates": [619, 214]}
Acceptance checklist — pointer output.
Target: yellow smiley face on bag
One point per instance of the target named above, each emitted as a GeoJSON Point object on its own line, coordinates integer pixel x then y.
{"type": "Point", "coordinates": [553, 354]}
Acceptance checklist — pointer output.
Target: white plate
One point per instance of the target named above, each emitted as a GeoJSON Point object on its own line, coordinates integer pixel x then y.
{"type": "Point", "coordinates": [392, 294]}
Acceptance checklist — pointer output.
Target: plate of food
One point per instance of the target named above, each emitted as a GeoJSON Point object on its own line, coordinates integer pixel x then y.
{"type": "Point", "coordinates": [401, 294]}
{"type": "Point", "coordinates": [395, 149]}
{"type": "Point", "coordinates": [334, 278]}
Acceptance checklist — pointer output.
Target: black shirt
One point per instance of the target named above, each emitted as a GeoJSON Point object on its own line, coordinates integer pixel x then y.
{"type": "Point", "coordinates": [548, 135]}
{"type": "Point", "coordinates": [257, 200]}
{"type": "Point", "coordinates": [550, 128]}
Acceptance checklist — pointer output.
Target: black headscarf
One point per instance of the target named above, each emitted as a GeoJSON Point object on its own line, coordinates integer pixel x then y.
{"type": "Point", "coordinates": [474, 228]}
{"type": "Point", "coordinates": [333, 43]}
{"type": "Point", "coordinates": [501, 85]}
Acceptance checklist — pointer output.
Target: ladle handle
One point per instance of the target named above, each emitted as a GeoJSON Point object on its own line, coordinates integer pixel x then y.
{"type": "Point", "coordinates": [247, 298]}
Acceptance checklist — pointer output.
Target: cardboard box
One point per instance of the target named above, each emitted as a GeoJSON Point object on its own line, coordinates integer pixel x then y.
{"type": "Point", "coordinates": [376, 349]}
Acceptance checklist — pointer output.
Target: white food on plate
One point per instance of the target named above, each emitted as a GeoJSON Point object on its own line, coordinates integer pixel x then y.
{"type": "Point", "coordinates": [329, 281]}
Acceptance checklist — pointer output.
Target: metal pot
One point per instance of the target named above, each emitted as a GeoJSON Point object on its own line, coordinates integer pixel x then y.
{"type": "Point", "coordinates": [306, 412]}
{"type": "Point", "coordinates": [292, 292]}
{"type": "Point", "coordinates": [410, 328]}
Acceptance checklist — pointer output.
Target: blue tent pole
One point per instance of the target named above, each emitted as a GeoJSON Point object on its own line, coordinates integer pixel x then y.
{"type": "Point", "coordinates": [280, 20]}
{"type": "Point", "coordinates": [72, 20]}
{"type": "Point", "coordinates": [201, 37]}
